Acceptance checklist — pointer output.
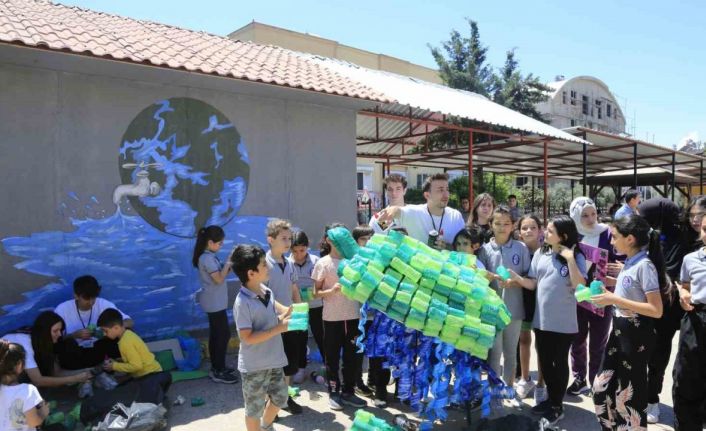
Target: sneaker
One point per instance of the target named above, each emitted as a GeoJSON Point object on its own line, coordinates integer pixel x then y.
{"type": "Point", "coordinates": [292, 407]}
{"type": "Point", "coordinates": [223, 376]}
{"type": "Point", "coordinates": [353, 401]}
{"type": "Point", "coordinates": [334, 402]}
{"type": "Point", "coordinates": [379, 403]}
{"type": "Point", "coordinates": [299, 376]}
{"type": "Point", "coordinates": [363, 390]}
{"type": "Point", "coordinates": [523, 388]}
{"type": "Point", "coordinates": [541, 408]}
{"type": "Point", "coordinates": [554, 415]}
{"type": "Point", "coordinates": [540, 394]}
{"type": "Point", "coordinates": [652, 413]}
{"type": "Point", "coordinates": [578, 387]}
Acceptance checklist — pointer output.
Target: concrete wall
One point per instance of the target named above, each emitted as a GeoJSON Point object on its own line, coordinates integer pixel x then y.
{"type": "Point", "coordinates": [63, 118]}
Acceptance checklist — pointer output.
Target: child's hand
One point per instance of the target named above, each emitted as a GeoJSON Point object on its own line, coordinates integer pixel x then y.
{"type": "Point", "coordinates": [605, 298]}
{"type": "Point", "coordinates": [685, 299]}
{"type": "Point", "coordinates": [614, 268]}
{"type": "Point", "coordinates": [336, 287]}
{"type": "Point", "coordinates": [108, 365]}
{"type": "Point", "coordinates": [82, 334]}
{"type": "Point", "coordinates": [610, 281]}
{"type": "Point", "coordinates": [567, 253]}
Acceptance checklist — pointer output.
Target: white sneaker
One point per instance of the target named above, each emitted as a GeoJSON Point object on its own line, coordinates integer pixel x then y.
{"type": "Point", "coordinates": [523, 388]}
{"type": "Point", "coordinates": [540, 394]}
{"type": "Point", "coordinates": [299, 376]}
{"type": "Point", "coordinates": [652, 413]}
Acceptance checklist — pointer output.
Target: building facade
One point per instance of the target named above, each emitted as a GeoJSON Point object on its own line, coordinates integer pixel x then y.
{"type": "Point", "coordinates": [583, 101]}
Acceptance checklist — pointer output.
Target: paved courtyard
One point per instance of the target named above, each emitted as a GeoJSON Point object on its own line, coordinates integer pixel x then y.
{"type": "Point", "coordinates": [224, 409]}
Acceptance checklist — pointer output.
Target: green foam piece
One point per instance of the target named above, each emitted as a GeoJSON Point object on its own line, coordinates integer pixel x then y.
{"type": "Point", "coordinates": [396, 314]}
{"type": "Point", "coordinates": [446, 281]}
{"type": "Point", "coordinates": [463, 287]}
{"type": "Point", "coordinates": [442, 290]}
{"type": "Point", "coordinates": [428, 279]}
{"type": "Point", "coordinates": [439, 297]}
{"type": "Point", "coordinates": [407, 287]}
{"type": "Point", "coordinates": [454, 322]}
{"type": "Point", "coordinates": [377, 264]}
{"type": "Point", "coordinates": [178, 376]}
{"type": "Point", "coordinates": [395, 237]}
{"type": "Point", "coordinates": [458, 298]}
{"type": "Point", "coordinates": [392, 273]}
{"type": "Point", "coordinates": [165, 359]}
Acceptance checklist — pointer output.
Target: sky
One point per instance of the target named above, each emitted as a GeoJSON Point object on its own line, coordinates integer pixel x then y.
{"type": "Point", "coordinates": [649, 53]}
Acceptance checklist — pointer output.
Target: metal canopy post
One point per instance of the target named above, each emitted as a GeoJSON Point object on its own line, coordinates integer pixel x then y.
{"type": "Point", "coordinates": [533, 186]}
{"type": "Point", "coordinates": [493, 184]}
{"type": "Point", "coordinates": [701, 177]}
{"type": "Point", "coordinates": [470, 168]}
{"type": "Point", "coordinates": [546, 180]}
{"type": "Point", "coordinates": [674, 175]}
{"type": "Point", "coordinates": [384, 196]}
{"type": "Point", "coordinates": [585, 165]}
{"type": "Point", "coordinates": [634, 165]}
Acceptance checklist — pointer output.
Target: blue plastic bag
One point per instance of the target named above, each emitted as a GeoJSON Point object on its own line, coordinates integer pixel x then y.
{"type": "Point", "coordinates": [191, 349]}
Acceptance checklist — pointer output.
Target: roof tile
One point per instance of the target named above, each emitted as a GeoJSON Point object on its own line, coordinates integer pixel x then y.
{"type": "Point", "coordinates": [40, 23]}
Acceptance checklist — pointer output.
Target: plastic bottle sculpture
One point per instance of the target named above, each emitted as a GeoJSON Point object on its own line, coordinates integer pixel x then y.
{"type": "Point", "coordinates": [440, 293]}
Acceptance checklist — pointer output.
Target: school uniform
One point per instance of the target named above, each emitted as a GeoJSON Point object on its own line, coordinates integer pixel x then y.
{"type": "Point", "coordinates": [689, 390]}
{"type": "Point", "coordinates": [554, 319]}
{"type": "Point", "coordinates": [316, 306]}
{"type": "Point", "coordinates": [513, 255]}
{"type": "Point", "coordinates": [213, 298]}
{"type": "Point", "coordinates": [260, 365]}
{"type": "Point", "coordinates": [620, 387]}
{"type": "Point", "coordinates": [282, 276]}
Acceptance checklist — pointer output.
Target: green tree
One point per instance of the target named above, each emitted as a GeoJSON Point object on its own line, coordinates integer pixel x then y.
{"type": "Point", "coordinates": [462, 63]}
{"type": "Point", "coordinates": [519, 93]}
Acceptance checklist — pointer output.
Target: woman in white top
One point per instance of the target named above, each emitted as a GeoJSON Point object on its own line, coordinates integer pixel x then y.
{"type": "Point", "coordinates": [21, 405]}
{"type": "Point", "coordinates": [41, 367]}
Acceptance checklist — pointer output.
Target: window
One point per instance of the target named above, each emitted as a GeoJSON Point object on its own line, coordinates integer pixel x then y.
{"type": "Point", "coordinates": [584, 105]}
{"type": "Point", "coordinates": [563, 97]}
{"type": "Point", "coordinates": [608, 110]}
{"type": "Point", "coordinates": [573, 97]}
{"type": "Point", "coordinates": [573, 123]}
{"type": "Point", "coordinates": [420, 180]}
{"type": "Point", "coordinates": [599, 109]}
{"type": "Point", "coordinates": [521, 181]}
{"type": "Point", "coordinates": [361, 183]}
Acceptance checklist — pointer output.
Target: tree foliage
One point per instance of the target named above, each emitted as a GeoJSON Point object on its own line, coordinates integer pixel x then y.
{"type": "Point", "coordinates": [462, 63]}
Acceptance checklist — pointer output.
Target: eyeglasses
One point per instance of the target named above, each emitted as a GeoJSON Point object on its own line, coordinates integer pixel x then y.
{"type": "Point", "coordinates": [696, 216]}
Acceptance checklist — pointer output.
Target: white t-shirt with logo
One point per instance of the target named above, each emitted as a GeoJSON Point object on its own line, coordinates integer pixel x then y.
{"type": "Point", "coordinates": [15, 401]}
{"type": "Point", "coordinates": [419, 222]}
{"type": "Point", "coordinates": [76, 319]}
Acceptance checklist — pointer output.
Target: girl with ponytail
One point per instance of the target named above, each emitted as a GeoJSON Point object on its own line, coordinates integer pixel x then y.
{"type": "Point", "coordinates": [21, 405]}
{"type": "Point", "coordinates": [213, 298]}
{"type": "Point", "coordinates": [620, 388]}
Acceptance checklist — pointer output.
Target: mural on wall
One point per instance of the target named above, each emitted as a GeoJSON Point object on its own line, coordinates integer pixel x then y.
{"type": "Point", "coordinates": [182, 165]}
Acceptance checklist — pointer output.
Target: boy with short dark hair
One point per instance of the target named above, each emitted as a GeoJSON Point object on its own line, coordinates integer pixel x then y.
{"type": "Point", "coordinates": [260, 319]}
{"type": "Point", "coordinates": [82, 348]}
{"type": "Point", "coordinates": [136, 358]}
{"type": "Point", "coordinates": [282, 282]}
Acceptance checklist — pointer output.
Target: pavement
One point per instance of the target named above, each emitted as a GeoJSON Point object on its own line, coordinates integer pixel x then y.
{"type": "Point", "coordinates": [224, 410]}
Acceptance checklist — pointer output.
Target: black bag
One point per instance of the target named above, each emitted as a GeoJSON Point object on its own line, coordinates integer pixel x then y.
{"type": "Point", "coordinates": [516, 423]}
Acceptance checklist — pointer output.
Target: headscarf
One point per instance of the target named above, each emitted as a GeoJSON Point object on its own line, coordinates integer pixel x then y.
{"type": "Point", "coordinates": [590, 236]}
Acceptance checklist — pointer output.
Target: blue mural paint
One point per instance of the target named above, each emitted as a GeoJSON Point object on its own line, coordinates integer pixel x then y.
{"type": "Point", "coordinates": [182, 165]}
{"type": "Point", "coordinates": [147, 273]}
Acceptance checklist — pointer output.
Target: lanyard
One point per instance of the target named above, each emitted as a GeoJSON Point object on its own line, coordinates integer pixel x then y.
{"type": "Point", "coordinates": [90, 316]}
{"type": "Point", "coordinates": [441, 222]}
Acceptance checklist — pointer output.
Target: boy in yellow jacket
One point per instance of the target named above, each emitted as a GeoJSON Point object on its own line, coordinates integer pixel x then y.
{"type": "Point", "coordinates": [137, 360]}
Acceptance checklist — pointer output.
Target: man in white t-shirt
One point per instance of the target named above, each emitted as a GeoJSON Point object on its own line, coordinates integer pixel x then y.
{"type": "Point", "coordinates": [435, 215]}
{"type": "Point", "coordinates": [395, 189]}
{"type": "Point", "coordinates": [81, 347]}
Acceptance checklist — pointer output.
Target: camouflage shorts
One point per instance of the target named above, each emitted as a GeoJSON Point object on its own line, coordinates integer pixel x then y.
{"type": "Point", "coordinates": [257, 385]}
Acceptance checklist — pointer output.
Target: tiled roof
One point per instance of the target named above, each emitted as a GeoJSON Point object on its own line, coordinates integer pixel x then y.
{"type": "Point", "coordinates": [42, 24]}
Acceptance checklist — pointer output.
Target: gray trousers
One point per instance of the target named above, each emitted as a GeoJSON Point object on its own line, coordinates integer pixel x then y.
{"type": "Point", "coordinates": [506, 346]}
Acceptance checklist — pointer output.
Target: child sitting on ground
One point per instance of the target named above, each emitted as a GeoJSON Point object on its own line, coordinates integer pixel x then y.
{"type": "Point", "coordinates": [137, 360]}
{"type": "Point", "coordinates": [21, 405]}
{"type": "Point", "coordinates": [260, 320]}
